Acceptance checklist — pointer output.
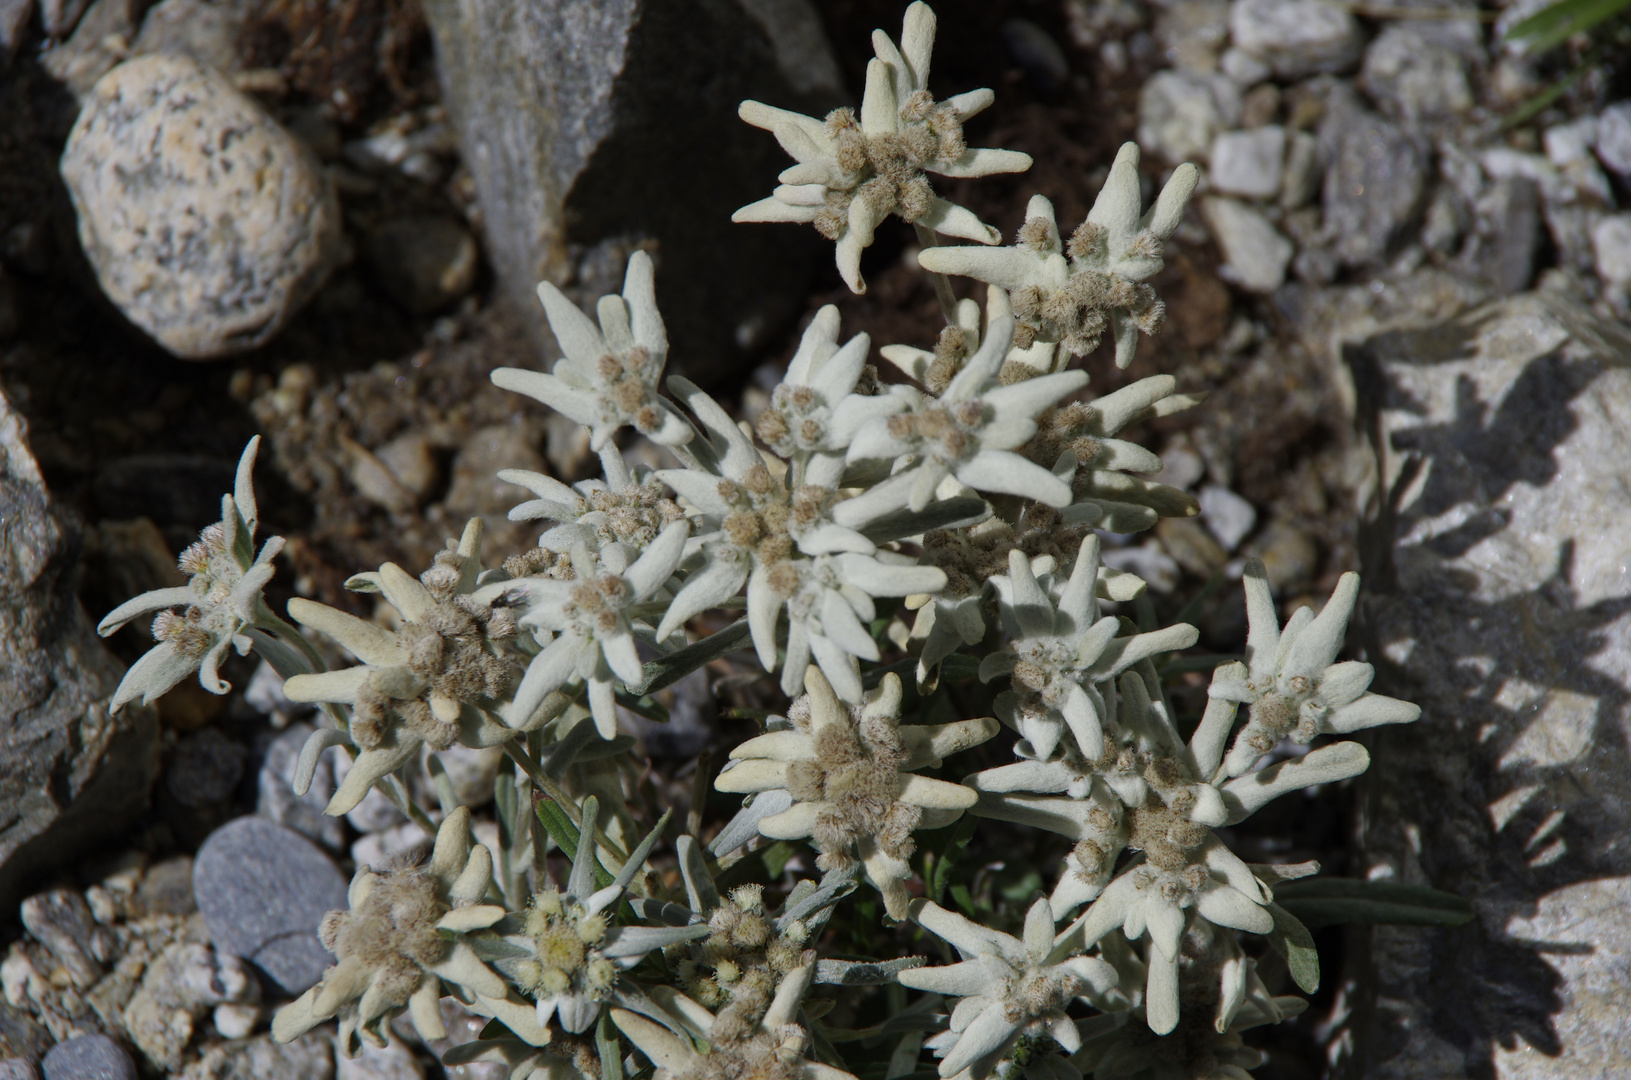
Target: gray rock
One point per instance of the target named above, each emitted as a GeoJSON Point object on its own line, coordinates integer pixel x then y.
{"type": "Point", "coordinates": [1375, 181]}
{"type": "Point", "coordinates": [167, 888]}
{"type": "Point", "coordinates": [18, 1069]}
{"type": "Point", "coordinates": [393, 1061]}
{"type": "Point", "coordinates": [1613, 144]}
{"type": "Point", "coordinates": [204, 768]}
{"type": "Point", "coordinates": [1296, 37]}
{"type": "Point", "coordinates": [425, 261]}
{"type": "Point", "coordinates": [59, 17]}
{"type": "Point", "coordinates": [1180, 113]}
{"type": "Point", "coordinates": [564, 155]}
{"type": "Point", "coordinates": [21, 1037]}
{"type": "Point", "coordinates": [1508, 229]}
{"type": "Point", "coordinates": [475, 487]}
{"type": "Point", "coordinates": [310, 1057]}
{"type": "Point", "coordinates": [1300, 176]}
{"type": "Point", "coordinates": [213, 244]}
{"type": "Point", "coordinates": [1192, 33]}
{"type": "Point", "coordinates": [1249, 163]}
{"type": "Point", "coordinates": [1255, 253]}
{"type": "Point", "coordinates": [1244, 68]}
{"type": "Point", "coordinates": [800, 44]}
{"type": "Point", "coordinates": [1412, 77]}
{"type": "Point", "coordinates": [263, 889]}
{"type": "Point", "coordinates": [473, 771]}
{"type": "Point", "coordinates": [88, 1057]}
{"type": "Point", "coordinates": [70, 774]}
{"type": "Point", "coordinates": [1229, 517]}
{"type": "Point", "coordinates": [62, 922]}
{"type": "Point", "coordinates": [277, 800]}
{"type": "Point", "coordinates": [1496, 598]}
{"type": "Point", "coordinates": [186, 981]}
{"type": "Point", "coordinates": [95, 47]}
{"type": "Point", "coordinates": [206, 30]}
{"type": "Point", "coordinates": [1611, 240]}
{"type": "Point", "coordinates": [13, 23]}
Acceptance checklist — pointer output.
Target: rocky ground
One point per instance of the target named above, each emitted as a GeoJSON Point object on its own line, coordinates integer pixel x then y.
{"type": "Point", "coordinates": [1406, 308]}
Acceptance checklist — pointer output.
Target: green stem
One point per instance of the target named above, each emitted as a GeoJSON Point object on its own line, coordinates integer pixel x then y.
{"type": "Point", "coordinates": [549, 787]}
{"type": "Point", "coordinates": [942, 284]}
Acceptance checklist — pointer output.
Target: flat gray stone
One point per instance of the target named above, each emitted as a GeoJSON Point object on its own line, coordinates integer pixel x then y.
{"type": "Point", "coordinates": [263, 889]}
{"type": "Point", "coordinates": [1498, 597]}
{"type": "Point", "coordinates": [1412, 76]}
{"type": "Point", "coordinates": [1255, 253]}
{"type": "Point", "coordinates": [88, 1057]}
{"type": "Point", "coordinates": [592, 129]}
{"type": "Point", "coordinates": [70, 773]}
{"type": "Point", "coordinates": [1296, 37]}
{"type": "Point", "coordinates": [1375, 180]}
{"type": "Point", "coordinates": [1181, 112]}
{"type": "Point", "coordinates": [1613, 142]}
{"type": "Point", "coordinates": [1249, 163]}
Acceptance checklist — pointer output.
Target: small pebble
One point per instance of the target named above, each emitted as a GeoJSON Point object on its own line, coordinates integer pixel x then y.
{"type": "Point", "coordinates": [393, 1061]}
{"type": "Point", "coordinates": [1256, 254]}
{"type": "Point", "coordinates": [18, 1069]}
{"type": "Point", "coordinates": [205, 769]}
{"type": "Point", "coordinates": [88, 1057]}
{"type": "Point", "coordinates": [425, 262]}
{"type": "Point", "coordinates": [236, 1021]}
{"type": "Point", "coordinates": [1249, 162]}
{"type": "Point", "coordinates": [1613, 143]}
{"type": "Point", "coordinates": [263, 889]}
{"type": "Point", "coordinates": [1227, 515]}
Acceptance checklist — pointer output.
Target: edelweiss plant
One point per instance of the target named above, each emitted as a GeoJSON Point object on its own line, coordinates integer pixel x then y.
{"type": "Point", "coordinates": [974, 494]}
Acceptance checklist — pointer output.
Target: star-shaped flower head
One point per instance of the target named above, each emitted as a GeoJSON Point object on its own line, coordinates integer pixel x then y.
{"type": "Point", "coordinates": [399, 949]}
{"type": "Point", "coordinates": [628, 507]}
{"type": "Point", "coordinates": [1291, 683]}
{"type": "Point", "coordinates": [589, 615]}
{"type": "Point", "coordinates": [1061, 650]}
{"type": "Point", "coordinates": [852, 173]}
{"type": "Point", "coordinates": [1078, 440]}
{"type": "Point", "coordinates": [572, 950]}
{"type": "Point", "coordinates": [607, 376]}
{"type": "Point", "coordinates": [1070, 302]}
{"type": "Point", "coordinates": [1008, 987]}
{"type": "Point", "coordinates": [850, 771]}
{"type": "Point", "coordinates": [222, 601]}
{"type": "Point", "coordinates": [749, 949]}
{"type": "Point", "coordinates": [1223, 995]}
{"type": "Point", "coordinates": [772, 1049]}
{"type": "Point", "coordinates": [969, 431]}
{"type": "Point", "coordinates": [801, 419]}
{"type": "Point", "coordinates": [438, 678]}
{"type": "Point", "coordinates": [788, 547]}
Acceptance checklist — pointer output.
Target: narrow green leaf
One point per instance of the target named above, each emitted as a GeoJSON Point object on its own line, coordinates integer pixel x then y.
{"type": "Point", "coordinates": [775, 857]}
{"type": "Point", "coordinates": [670, 669]}
{"type": "Point", "coordinates": [565, 835]}
{"type": "Point", "coordinates": [1327, 901]}
{"type": "Point", "coordinates": [606, 1044]}
{"type": "Point", "coordinates": [960, 896]}
{"type": "Point", "coordinates": [955, 846]}
{"type": "Point", "coordinates": [1551, 26]}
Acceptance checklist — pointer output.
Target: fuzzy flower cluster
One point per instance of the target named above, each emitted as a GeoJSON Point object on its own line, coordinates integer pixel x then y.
{"type": "Point", "coordinates": [867, 541]}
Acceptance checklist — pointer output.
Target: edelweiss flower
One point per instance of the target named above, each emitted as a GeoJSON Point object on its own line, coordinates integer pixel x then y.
{"type": "Point", "coordinates": [969, 431]}
{"type": "Point", "coordinates": [1290, 682]}
{"type": "Point", "coordinates": [851, 175]}
{"type": "Point", "coordinates": [1070, 303]}
{"type": "Point", "coordinates": [771, 1049]}
{"type": "Point", "coordinates": [1058, 653]}
{"type": "Point", "coordinates": [1080, 436]}
{"type": "Point", "coordinates": [971, 556]}
{"type": "Point", "coordinates": [594, 634]}
{"type": "Point", "coordinates": [801, 418]}
{"type": "Point", "coordinates": [625, 508]}
{"type": "Point", "coordinates": [434, 679]}
{"type": "Point", "coordinates": [790, 552]}
{"type": "Point", "coordinates": [222, 598]}
{"type": "Point", "coordinates": [577, 953]}
{"type": "Point", "coordinates": [607, 376]}
{"type": "Point", "coordinates": [849, 770]}
{"type": "Point", "coordinates": [1009, 987]}
{"type": "Point", "coordinates": [394, 947]}
{"type": "Point", "coordinates": [1224, 996]}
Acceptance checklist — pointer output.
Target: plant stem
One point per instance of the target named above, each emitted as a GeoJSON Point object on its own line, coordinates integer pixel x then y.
{"type": "Point", "coordinates": [942, 283]}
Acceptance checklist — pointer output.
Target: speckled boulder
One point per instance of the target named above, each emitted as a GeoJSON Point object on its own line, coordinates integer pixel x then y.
{"type": "Point", "coordinates": [207, 224]}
